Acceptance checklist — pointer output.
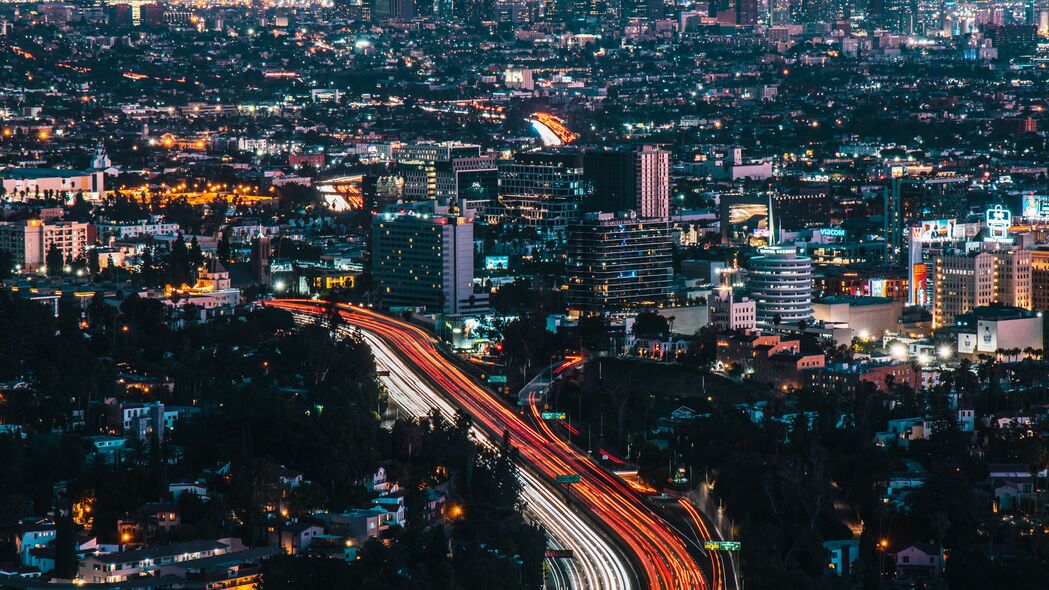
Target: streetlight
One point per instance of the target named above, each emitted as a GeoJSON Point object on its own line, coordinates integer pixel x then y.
{"type": "Point", "coordinates": [944, 352]}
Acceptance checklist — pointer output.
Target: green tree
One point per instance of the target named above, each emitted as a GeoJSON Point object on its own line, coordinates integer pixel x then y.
{"type": "Point", "coordinates": [54, 262]}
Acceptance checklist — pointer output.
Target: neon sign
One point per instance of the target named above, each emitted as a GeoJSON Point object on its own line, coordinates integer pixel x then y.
{"type": "Point", "coordinates": [998, 221]}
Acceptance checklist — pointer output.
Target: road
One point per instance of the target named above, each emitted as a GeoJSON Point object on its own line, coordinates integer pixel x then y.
{"type": "Point", "coordinates": [535, 393]}
{"type": "Point", "coordinates": [660, 554]}
{"type": "Point", "coordinates": [597, 563]}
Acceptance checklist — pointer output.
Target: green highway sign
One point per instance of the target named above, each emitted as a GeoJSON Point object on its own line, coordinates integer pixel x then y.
{"type": "Point", "coordinates": [566, 479]}
{"type": "Point", "coordinates": [497, 378]}
{"type": "Point", "coordinates": [554, 416]}
{"type": "Point", "coordinates": [721, 545]}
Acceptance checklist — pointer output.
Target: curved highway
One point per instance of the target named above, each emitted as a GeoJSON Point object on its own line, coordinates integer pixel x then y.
{"type": "Point", "coordinates": [597, 564]}
{"type": "Point", "coordinates": [660, 554]}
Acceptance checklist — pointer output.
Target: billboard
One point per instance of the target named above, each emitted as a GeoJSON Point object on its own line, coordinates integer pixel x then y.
{"type": "Point", "coordinates": [936, 230]}
{"type": "Point", "coordinates": [1036, 206]}
{"type": "Point", "coordinates": [986, 336]}
{"type": "Point", "coordinates": [343, 194]}
{"type": "Point", "coordinates": [877, 288]}
{"type": "Point", "coordinates": [496, 262]}
{"type": "Point", "coordinates": [919, 284]}
{"type": "Point", "coordinates": [966, 343]}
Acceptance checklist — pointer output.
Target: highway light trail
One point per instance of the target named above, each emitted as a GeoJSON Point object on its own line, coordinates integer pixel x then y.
{"type": "Point", "coordinates": [704, 535]}
{"type": "Point", "coordinates": [660, 553]}
{"type": "Point", "coordinates": [597, 563]}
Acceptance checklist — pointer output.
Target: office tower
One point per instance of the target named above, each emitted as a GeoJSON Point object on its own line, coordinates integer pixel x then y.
{"type": "Point", "coordinates": [544, 190]}
{"type": "Point", "coordinates": [803, 208]}
{"type": "Point", "coordinates": [1013, 40]}
{"type": "Point", "coordinates": [618, 260]}
{"type": "Point", "coordinates": [432, 170]}
{"type": "Point", "coordinates": [963, 281]}
{"type": "Point", "coordinates": [474, 11]}
{"type": "Point", "coordinates": [1040, 278]}
{"type": "Point", "coordinates": [780, 281]}
{"type": "Point", "coordinates": [29, 241]}
{"type": "Point", "coordinates": [652, 182]}
{"type": "Point", "coordinates": [898, 16]}
{"type": "Point", "coordinates": [747, 12]}
{"type": "Point", "coordinates": [393, 9]}
{"type": "Point", "coordinates": [424, 257]}
{"type": "Point", "coordinates": [909, 201]}
{"type": "Point", "coordinates": [630, 180]}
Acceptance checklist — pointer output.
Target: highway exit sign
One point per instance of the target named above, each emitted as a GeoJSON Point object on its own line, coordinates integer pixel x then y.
{"type": "Point", "coordinates": [497, 378]}
{"type": "Point", "coordinates": [566, 479]}
{"type": "Point", "coordinates": [554, 415]}
{"type": "Point", "coordinates": [721, 545]}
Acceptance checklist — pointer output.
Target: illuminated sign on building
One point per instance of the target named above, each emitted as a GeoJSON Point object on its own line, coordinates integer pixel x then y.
{"type": "Point", "coordinates": [877, 288]}
{"type": "Point", "coordinates": [919, 283]}
{"type": "Point", "coordinates": [936, 230]}
{"type": "Point", "coordinates": [833, 232]}
{"type": "Point", "coordinates": [496, 262]}
{"type": "Point", "coordinates": [998, 221]}
{"type": "Point", "coordinates": [343, 194]}
{"type": "Point", "coordinates": [1036, 206]}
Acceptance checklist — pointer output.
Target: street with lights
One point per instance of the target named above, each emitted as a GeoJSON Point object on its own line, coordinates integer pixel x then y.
{"type": "Point", "coordinates": [661, 557]}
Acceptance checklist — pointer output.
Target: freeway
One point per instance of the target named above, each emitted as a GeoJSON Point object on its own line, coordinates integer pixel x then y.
{"type": "Point", "coordinates": [661, 555]}
{"type": "Point", "coordinates": [534, 394]}
{"type": "Point", "coordinates": [597, 564]}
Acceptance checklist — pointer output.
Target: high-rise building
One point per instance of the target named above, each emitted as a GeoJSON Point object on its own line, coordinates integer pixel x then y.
{"type": "Point", "coordinates": [963, 281]}
{"type": "Point", "coordinates": [619, 260]}
{"type": "Point", "coordinates": [909, 201]}
{"type": "Point", "coordinates": [440, 171]}
{"type": "Point", "coordinates": [1013, 40]}
{"type": "Point", "coordinates": [780, 281]}
{"type": "Point", "coordinates": [544, 190]}
{"type": "Point", "coordinates": [1040, 278]}
{"type": "Point", "coordinates": [652, 179]}
{"type": "Point", "coordinates": [898, 16]}
{"type": "Point", "coordinates": [747, 12]}
{"type": "Point", "coordinates": [29, 241]}
{"type": "Point", "coordinates": [424, 257]}
{"type": "Point", "coordinates": [630, 180]}
{"type": "Point", "coordinates": [803, 207]}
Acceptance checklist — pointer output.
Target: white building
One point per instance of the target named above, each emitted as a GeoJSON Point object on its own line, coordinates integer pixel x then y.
{"type": "Point", "coordinates": [729, 313]}
{"type": "Point", "coordinates": [780, 281]}
{"type": "Point", "coordinates": [653, 182]}
{"type": "Point", "coordinates": [29, 241]}
{"type": "Point", "coordinates": [155, 226]}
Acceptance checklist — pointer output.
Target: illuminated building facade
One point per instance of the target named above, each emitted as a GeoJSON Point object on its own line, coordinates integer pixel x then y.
{"type": "Point", "coordinates": [29, 241]}
{"type": "Point", "coordinates": [964, 281]}
{"type": "Point", "coordinates": [617, 261]}
{"type": "Point", "coordinates": [544, 190]}
{"type": "Point", "coordinates": [728, 312]}
{"type": "Point", "coordinates": [910, 200]}
{"type": "Point", "coordinates": [424, 259]}
{"type": "Point", "coordinates": [780, 281]}
{"type": "Point", "coordinates": [438, 171]}
{"type": "Point", "coordinates": [630, 180]}
{"type": "Point", "coordinates": [1040, 278]}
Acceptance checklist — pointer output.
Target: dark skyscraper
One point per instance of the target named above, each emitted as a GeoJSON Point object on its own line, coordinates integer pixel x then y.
{"type": "Point", "coordinates": [747, 12]}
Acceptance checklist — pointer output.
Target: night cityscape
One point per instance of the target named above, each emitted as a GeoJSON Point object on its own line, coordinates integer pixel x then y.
{"type": "Point", "coordinates": [524, 294]}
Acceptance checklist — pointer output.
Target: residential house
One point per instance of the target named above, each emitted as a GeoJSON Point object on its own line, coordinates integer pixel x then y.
{"type": "Point", "coordinates": [919, 561]}
{"type": "Point", "coordinates": [121, 566]}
